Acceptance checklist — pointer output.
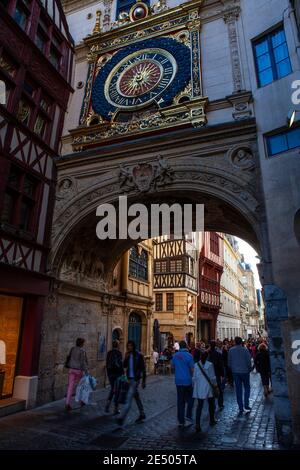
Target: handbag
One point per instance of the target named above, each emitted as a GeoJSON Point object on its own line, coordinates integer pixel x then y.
{"type": "Point", "coordinates": [122, 389]}
{"type": "Point", "coordinates": [215, 388]}
{"type": "Point", "coordinates": [68, 358]}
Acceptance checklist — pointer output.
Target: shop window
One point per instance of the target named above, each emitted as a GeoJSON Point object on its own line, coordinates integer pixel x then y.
{"type": "Point", "coordinates": [10, 324]}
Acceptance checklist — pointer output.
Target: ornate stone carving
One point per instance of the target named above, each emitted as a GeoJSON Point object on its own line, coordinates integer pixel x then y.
{"type": "Point", "coordinates": [241, 105]}
{"type": "Point", "coordinates": [107, 14]}
{"type": "Point", "coordinates": [66, 188]}
{"type": "Point", "coordinates": [230, 15]}
{"type": "Point", "coordinates": [145, 176]}
{"type": "Point", "coordinates": [241, 157]}
{"type": "Point", "coordinates": [82, 266]}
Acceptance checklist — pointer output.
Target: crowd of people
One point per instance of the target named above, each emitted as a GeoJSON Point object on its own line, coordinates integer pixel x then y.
{"type": "Point", "coordinates": [202, 371]}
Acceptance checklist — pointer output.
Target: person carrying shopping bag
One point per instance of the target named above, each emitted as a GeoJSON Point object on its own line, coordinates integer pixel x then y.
{"type": "Point", "coordinates": [77, 364]}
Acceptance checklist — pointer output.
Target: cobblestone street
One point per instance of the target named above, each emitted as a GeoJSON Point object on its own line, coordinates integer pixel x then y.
{"type": "Point", "coordinates": [50, 427]}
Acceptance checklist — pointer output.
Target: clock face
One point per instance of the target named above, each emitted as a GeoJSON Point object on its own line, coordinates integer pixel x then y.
{"type": "Point", "coordinates": [140, 78]}
{"type": "Point", "coordinates": [151, 71]}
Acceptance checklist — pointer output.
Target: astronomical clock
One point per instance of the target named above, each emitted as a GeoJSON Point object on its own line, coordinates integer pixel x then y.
{"type": "Point", "coordinates": [144, 75]}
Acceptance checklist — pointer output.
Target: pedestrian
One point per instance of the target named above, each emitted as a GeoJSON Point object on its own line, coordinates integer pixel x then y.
{"type": "Point", "coordinates": [239, 361]}
{"type": "Point", "coordinates": [263, 366]}
{"type": "Point", "coordinates": [228, 373]}
{"type": "Point", "coordinates": [183, 363]}
{"type": "Point", "coordinates": [155, 358]}
{"type": "Point", "coordinates": [216, 359]}
{"type": "Point", "coordinates": [204, 380]}
{"type": "Point", "coordinates": [77, 364]}
{"type": "Point", "coordinates": [134, 364]}
{"type": "Point", "coordinates": [114, 370]}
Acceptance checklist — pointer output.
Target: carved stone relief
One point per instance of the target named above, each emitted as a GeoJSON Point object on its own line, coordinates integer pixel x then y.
{"type": "Point", "coordinates": [241, 157]}
{"type": "Point", "coordinates": [145, 176]}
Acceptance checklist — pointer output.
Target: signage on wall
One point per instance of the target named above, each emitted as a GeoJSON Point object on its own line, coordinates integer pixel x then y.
{"type": "Point", "coordinates": [101, 352]}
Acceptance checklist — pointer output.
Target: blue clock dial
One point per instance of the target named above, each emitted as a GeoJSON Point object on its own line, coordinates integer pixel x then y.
{"type": "Point", "coordinates": [140, 78]}
{"type": "Point", "coordinates": [151, 71]}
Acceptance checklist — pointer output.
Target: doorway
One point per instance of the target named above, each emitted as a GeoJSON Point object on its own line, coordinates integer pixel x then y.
{"type": "Point", "coordinates": [135, 329]}
{"type": "Point", "coordinates": [10, 325]}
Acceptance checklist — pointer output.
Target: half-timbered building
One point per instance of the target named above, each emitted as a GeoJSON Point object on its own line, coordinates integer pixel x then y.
{"type": "Point", "coordinates": [36, 52]}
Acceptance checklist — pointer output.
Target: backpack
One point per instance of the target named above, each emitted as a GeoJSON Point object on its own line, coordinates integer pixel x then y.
{"type": "Point", "coordinates": [114, 362]}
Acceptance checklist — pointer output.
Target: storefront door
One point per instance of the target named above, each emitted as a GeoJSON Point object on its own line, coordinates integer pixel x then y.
{"type": "Point", "coordinates": [10, 324]}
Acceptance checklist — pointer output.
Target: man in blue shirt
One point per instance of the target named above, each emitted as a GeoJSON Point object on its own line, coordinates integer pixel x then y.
{"type": "Point", "coordinates": [183, 363]}
{"type": "Point", "coordinates": [239, 361]}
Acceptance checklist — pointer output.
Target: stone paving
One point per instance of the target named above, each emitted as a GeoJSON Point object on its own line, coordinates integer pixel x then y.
{"type": "Point", "coordinates": [50, 427]}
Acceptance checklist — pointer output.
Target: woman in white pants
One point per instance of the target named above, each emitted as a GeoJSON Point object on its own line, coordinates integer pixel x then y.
{"type": "Point", "coordinates": [203, 388]}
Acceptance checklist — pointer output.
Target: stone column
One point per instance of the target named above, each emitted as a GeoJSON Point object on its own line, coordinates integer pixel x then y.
{"type": "Point", "coordinates": [194, 25]}
{"type": "Point", "coordinates": [276, 315]}
{"type": "Point", "coordinates": [230, 16]}
{"type": "Point", "coordinates": [107, 14]}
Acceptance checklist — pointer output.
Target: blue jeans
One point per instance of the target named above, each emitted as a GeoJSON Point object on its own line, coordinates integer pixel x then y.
{"type": "Point", "coordinates": [133, 393]}
{"type": "Point", "coordinates": [239, 381]}
{"type": "Point", "coordinates": [184, 396]}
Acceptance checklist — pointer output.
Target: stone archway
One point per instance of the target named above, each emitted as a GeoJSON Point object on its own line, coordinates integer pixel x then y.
{"type": "Point", "coordinates": [219, 170]}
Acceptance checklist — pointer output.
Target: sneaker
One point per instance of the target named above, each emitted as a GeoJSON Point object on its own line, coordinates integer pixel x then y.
{"type": "Point", "coordinates": [198, 429]}
{"type": "Point", "coordinates": [116, 412]}
{"type": "Point", "coordinates": [247, 409]}
{"type": "Point", "coordinates": [68, 408]}
{"type": "Point", "coordinates": [140, 419]}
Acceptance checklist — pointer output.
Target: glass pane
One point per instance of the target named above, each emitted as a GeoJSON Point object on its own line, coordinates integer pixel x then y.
{"type": "Point", "coordinates": [278, 38]}
{"type": "Point", "coordinates": [284, 68]}
{"type": "Point", "coordinates": [264, 62]}
{"type": "Point", "coordinates": [281, 52]}
{"type": "Point", "coordinates": [261, 48]}
{"type": "Point", "coordinates": [24, 112]}
{"type": "Point", "coordinates": [25, 213]}
{"type": "Point", "coordinates": [29, 88]}
{"type": "Point", "coordinates": [54, 58]}
{"type": "Point", "coordinates": [8, 65]}
{"type": "Point", "coordinates": [29, 186]}
{"type": "Point", "coordinates": [8, 208]}
{"type": "Point", "coordinates": [293, 138]}
{"type": "Point", "coordinates": [277, 144]}
{"type": "Point", "coordinates": [266, 77]}
{"type": "Point", "coordinates": [40, 41]}
{"type": "Point", "coordinates": [40, 125]}
{"type": "Point", "coordinates": [20, 17]}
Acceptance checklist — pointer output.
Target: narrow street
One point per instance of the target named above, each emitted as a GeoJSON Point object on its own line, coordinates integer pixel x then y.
{"type": "Point", "coordinates": [89, 428]}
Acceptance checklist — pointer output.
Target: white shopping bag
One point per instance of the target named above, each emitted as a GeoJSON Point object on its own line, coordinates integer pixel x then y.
{"type": "Point", "coordinates": [83, 390]}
